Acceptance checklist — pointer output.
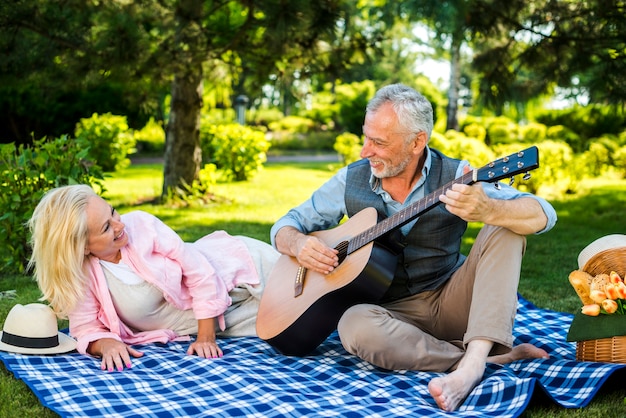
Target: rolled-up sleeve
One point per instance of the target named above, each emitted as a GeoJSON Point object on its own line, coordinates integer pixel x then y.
{"type": "Point", "coordinates": [506, 192]}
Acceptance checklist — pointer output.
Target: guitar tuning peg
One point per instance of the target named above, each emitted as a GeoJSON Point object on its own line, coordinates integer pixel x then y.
{"type": "Point", "coordinates": [496, 185]}
{"type": "Point", "coordinates": [511, 181]}
{"type": "Point", "coordinates": [526, 176]}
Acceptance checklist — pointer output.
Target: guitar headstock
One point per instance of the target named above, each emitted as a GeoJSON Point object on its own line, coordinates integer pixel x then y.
{"type": "Point", "coordinates": [509, 166]}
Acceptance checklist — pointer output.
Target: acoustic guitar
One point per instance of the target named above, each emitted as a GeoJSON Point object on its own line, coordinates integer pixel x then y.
{"type": "Point", "coordinates": [299, 309]}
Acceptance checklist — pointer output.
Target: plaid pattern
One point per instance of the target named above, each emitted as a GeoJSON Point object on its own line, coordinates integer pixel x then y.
{"type": "Point", "coordinates": [253, 380]}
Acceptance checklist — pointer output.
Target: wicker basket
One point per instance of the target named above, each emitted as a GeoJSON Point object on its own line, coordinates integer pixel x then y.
{"type": "Point", "coordinates": [607, 350]}
{"type": "Point", "coordinates": [607, 261]}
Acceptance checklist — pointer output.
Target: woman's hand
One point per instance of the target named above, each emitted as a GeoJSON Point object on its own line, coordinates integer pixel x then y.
{"type": "Point", "coordinates": [205, 344]}
{"type": "Point", "coordinates": [206, 349]}
{"type": "Point", "coordinates": [115, 354]}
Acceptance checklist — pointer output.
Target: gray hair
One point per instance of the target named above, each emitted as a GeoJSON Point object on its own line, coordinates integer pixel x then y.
{"type": "Point", "coordinates": [414, 111]}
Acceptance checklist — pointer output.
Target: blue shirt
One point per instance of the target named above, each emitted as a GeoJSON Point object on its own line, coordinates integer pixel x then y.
{"type": "Point", "coordinates": [326, 207]}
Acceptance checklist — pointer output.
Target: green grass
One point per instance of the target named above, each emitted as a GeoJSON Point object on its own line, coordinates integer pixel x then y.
{"type": "Point", "coordinates": [250, 208]}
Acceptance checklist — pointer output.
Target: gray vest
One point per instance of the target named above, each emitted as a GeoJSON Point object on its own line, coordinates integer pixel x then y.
{"type": "Point", "coordinates": [432, 247]}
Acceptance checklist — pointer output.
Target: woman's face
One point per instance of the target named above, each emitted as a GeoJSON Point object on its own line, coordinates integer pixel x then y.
{"type": "Point", "coordinates": [106, 231]}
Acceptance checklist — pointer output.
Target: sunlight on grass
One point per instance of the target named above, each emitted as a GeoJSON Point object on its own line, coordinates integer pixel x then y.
{"type": "Point", "coordinates": [133, 184]}
{"type": "Point", "coordinates": [249, 208]}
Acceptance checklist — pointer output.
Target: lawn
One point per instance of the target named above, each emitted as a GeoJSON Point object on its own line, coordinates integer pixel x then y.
{"type": "Point", "coordinates": [250, 208]}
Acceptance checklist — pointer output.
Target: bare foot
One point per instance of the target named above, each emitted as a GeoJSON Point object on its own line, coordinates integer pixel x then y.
{"type": "Point", "coordinates": [519, 352]}
{"type": "Point", "coordinates": [451, 390]}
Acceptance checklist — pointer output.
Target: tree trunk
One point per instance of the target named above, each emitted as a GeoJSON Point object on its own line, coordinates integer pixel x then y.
{"type": "Point", "coordinates": [183, 155]}
{"type": "Point", "coordinates": [452, 121]}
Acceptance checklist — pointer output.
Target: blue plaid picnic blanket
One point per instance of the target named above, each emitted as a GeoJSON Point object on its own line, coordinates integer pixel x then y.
{"type": "Point", "coordinates": [254, 380]}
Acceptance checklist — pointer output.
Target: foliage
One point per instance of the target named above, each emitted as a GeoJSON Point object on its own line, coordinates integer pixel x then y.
{"type": "Point", "coordinates": [558, 173]}
{"type": "Point", "coordinates": [475, 130]}
{"type": "Point", "coordinates": [151, 138]}
{"type": "Point", "coordinates": [198, 193]}
{"type": "Point", "coordinates": [501, 130]}
{"type": "Point", "coordinates": [321, 141]}
{"type": "Point", "coordinates": [587, 122]}
{"type": "Point", "coordinates": [110, 139]}
{"type": "Point", "coordinates": [348, 146]}
{"type": "Point", "coordinates": [462, 147]}
{"type": "Point", "coordinates": [533, 133]}
{"type": "Point", "coordinates": [265, 116]}
{"type": "Point", "coordinates": [323, 109]}
{"type": "Point", "coordinates": [620, 160]}
{"type": "Point", "coordinates": [532, 46]}
{"type": "Point", "coordinates": [292, 125]}
{"type": "Point", "coordinates": [600, 156]}
{"type": "Point", "coordinates": [563, 133]}
{"type": "Point", "coordinates": [61, 61]}
{"type": "Point", "coordinates": [237, 151]}
{"type": "Point", "coordinates": [26, 173]}
{"type": "Point", "coordinates": [351, 100]}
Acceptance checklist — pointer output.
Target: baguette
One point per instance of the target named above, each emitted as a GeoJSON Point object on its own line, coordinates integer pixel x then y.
{"type": "Point", "coordinates": [581, 282]}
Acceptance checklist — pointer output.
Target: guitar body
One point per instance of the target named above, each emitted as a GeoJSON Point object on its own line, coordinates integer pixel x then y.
{"type": "Point", "coordinates": [296, 325]}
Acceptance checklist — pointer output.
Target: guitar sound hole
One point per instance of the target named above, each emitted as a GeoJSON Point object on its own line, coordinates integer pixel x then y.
{"type": "Point", "coordinates": [342, 247]}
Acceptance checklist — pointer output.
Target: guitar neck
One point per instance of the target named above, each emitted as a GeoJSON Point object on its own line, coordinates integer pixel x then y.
{"type": "Point", "coordinates": [509, 166]}
{"type": "Point", "coordinates": [407, 214]}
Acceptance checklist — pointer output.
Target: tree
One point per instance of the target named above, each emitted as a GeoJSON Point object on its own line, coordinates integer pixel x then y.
{"type": "Point", "coordinates": [62, 61]}
{"type": "Point", "coordinates": [537, 46]}
{"type": "Point", "coordinates": [147, 44]}
{"type": "Point", "coordinates": [453, 25]}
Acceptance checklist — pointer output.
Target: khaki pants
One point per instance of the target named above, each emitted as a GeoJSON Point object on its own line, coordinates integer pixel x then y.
{"type": "Point", "coordinates": [428, 331]}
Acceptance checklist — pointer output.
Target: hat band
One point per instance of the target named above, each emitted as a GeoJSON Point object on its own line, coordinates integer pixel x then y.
{"type": "Point", "coordinates": [30, 342]}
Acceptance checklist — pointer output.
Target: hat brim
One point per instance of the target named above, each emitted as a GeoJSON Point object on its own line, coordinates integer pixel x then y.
{"type": "Point", "coordinates": [66, 344]}
{"type": "Point", "coordinates": [604, 243]}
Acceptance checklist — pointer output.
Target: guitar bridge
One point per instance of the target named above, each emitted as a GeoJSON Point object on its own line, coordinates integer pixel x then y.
{"type": "Point", "coordinates": [299, 283]}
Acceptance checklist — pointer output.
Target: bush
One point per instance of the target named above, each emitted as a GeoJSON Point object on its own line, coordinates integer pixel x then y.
{"type": "Point", "coordinates": [557, 174]}
{"type": "Point", "coordinates": [110, 140]}
{"type": "Point", "coordinates": [502, 130]}
{"type": "Point", "coordinates": [473, 150]}
{"type": "Point", "coordinates": [475, 130]}
{"type": "Point", "coordinates": [151, 138]}
{"type": "Point", "coordinates": [562, 133]}
{"type": "Point", "coordinates": [533, 133]}
{"type": "Point", "coordinates": [600, 155]}
{"type": "Point", "coordinates": [351, 101]}
{"type": "Point", "coordinates": [620, 160]}
{"type": "Point", "coordinates": [25, 175]}
{"type": "Point", "coordinates": [292, 125]}
{"type": "Point", "coordinates": [264, 117]}
{"type": "Point", "coordinates": [348, 146]}
{"type": "Point", "coordinates": [590, 121]}
{"type": "Point", "coordinates": [237, 151]}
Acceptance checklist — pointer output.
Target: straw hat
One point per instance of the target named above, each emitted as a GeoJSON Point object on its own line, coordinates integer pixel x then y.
{"type": "Point", "coordinates": [610, 249]}
{"type": "Point", "coordinates": [33, 329]}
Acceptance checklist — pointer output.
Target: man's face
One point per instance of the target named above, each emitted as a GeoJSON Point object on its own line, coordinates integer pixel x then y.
{"type": "Point", "coordinates": [385, 145]}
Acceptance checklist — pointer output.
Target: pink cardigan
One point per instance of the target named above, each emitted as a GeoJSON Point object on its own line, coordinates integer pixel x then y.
{"type": "Point", "coordinates": [195, 276]}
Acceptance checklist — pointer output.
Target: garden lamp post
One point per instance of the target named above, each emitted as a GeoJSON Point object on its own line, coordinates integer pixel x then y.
{"type": "Point", "coordinates": [241, 102]}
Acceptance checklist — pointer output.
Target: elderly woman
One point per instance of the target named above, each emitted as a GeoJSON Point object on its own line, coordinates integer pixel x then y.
{"type": "Point", "coordinates": [130, 279]}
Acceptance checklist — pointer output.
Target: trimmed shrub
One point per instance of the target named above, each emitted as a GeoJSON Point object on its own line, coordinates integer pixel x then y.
{"type": "Point", "coordinates": [237, 151]}
{"type": "Point", "coordinates": [110, 140]}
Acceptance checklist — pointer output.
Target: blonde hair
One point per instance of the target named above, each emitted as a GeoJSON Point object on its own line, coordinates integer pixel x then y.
{"type": "Point", "coordinates": [59, 235]}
